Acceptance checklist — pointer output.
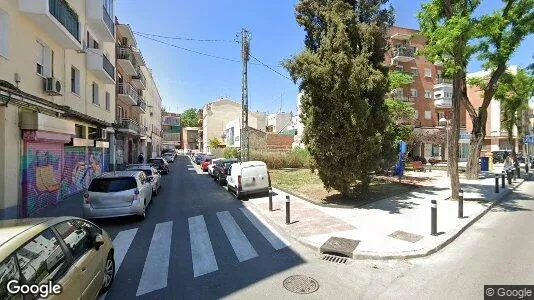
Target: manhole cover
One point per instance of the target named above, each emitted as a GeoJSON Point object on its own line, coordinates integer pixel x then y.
{"type": "Point", "coordinates": [301, 284]}
{"type": "Point", "coordinates": [406, 236]}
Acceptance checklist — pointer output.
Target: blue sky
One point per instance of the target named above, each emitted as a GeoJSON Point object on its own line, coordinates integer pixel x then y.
{"type": "Point", "coordinates": [189, 80]}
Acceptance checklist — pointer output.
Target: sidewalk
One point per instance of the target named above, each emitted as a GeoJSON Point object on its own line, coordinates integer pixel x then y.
{"type": "Point", "coordinates": [397, 227]}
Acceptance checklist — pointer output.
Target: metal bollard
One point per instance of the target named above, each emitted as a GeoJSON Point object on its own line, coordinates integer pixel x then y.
{"type": "Point", "coordinates": [270, 199]}
{"type": "Point", "coordinates": [510, 173]}
{"type": "Point", "coordinates": [518, 171]}
{"type": "Point", "coordinates": [526, 167]}
{"type": "Point", "coordinates": [497, 182]}
{"type": "Point", "coordinates": [433, 217]}
{"type": "Point", "coordinates": [461, 204]}
{"type": "Point", "coordinates": [287, 210]}
{"type": "Point", "coordinates": [503, 180]}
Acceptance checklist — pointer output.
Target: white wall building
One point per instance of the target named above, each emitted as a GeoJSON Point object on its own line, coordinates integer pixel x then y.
{"type": "Point", "coordinates": [278, 122]}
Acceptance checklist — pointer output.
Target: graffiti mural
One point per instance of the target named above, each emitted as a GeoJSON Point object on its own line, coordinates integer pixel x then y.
{"type": "Point", "coordinates": [41, 176]}
{"type": "Point", "coordinates": [81, 165]}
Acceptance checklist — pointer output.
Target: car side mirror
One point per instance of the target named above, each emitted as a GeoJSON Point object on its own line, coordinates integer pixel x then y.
{"type": "Point", "coordinates": [98, 241]}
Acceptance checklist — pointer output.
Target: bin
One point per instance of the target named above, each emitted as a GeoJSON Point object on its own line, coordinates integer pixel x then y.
{"type": "Point", "coordinates": [484, 164]}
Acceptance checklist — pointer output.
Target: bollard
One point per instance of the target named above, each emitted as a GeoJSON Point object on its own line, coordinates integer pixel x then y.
{"type": "Point", "coordinates": [503, 180]}
{"type": "Point", "coordinates": [526, 167]}
{"type": "Point", "coordinates": [518, 171]}
{"type": "Point", "coordinates": [510, 173]}
{"type": "Point", "coordinates": [270, 199]}
{"type": "Point", "coordinates": [461, 204]}
{"type": "Point", "coordinates": [287, 210]}
{"type": "Point", "coordinates": [433, 217]}
{"type": "Point", "coordinates": [497, 182]}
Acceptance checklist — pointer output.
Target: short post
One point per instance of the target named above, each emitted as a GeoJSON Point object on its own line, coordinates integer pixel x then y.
{"type": "Point", "coordinates": [433, 217]}
{"type": "Point", "coordinates": [503, 180]}
{"type": "Point", "coordinates": [287, 210]}
{"type": "Point", "coordinates": [526, 167]}
{"type": "Point", "coordinates": [497, 182]}
{"type": "Point", "coordinates": [461, 204]}
{"type": "Point", "coordinates": [270, 199]}
{"type": "Point", "coordinates": [518, 171]}
{"type": "Point", "coordinates": [510, 174]}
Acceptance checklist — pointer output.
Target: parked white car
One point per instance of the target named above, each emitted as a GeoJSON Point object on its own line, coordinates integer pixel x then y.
{"type": "Point", "coordinates": [212, 164]}
{"type": "Point", "coordinates": [248, 178]}
{"type": "Point", "coordinates": [154, 177]}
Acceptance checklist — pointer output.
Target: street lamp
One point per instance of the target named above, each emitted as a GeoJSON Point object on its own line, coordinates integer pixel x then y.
{"type": "Point", "coordinates": [446, 123]}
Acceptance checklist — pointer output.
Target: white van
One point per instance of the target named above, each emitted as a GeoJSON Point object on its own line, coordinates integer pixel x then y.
{"type": "Point", "coordinates": [247, 178]}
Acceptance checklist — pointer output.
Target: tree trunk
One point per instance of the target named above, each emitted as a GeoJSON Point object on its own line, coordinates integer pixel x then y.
{"type": "Point", "coordinates": [478, 134]}
{"type": "Point", "coordinates": [454, 137]}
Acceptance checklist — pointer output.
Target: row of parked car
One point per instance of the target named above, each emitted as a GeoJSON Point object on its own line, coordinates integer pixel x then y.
{"type": "Point", "coordinates": [243, 179]}
{"type": "Point", "coordinates": [128, 192]}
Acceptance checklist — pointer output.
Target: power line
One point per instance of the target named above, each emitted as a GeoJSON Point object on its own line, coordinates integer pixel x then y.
{"type": "Point", "coordinates": [189, 50]}
{"type": "Point", "coordinates": [185, 38]}
{"type": "Point", "coordinates": [268, 67]}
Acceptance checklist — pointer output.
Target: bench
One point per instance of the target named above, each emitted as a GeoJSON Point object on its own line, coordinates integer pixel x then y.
{"type": "Point", "coordinates": [417, 165]}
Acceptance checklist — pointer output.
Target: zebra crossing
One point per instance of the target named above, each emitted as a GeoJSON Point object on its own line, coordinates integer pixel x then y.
{"type": "Point", "coordinates": [204, 261]}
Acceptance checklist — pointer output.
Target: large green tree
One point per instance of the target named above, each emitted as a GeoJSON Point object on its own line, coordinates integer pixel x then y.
{"type": "Point", "coordinates": [401, 113]}
{"type": "Point", "coordinates": [514, 92]}
{"type": "Point", "coordinates": [190, 118]}
{"type": "Point", "coordinates": [344, 80]}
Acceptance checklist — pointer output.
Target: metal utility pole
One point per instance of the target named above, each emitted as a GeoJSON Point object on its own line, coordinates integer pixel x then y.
{"type": "Point", "coordinates": [245, 51]}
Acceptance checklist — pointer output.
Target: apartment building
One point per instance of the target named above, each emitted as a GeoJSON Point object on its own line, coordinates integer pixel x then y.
{"type": "Point", "coordinates": [430, 93]}
{"type": "Point", "coordinates": [190, 138]}
{"type": "Point", "coordinates": [217, 114]}
{"type": "Point", "coordinates": [172, 131]}
{"type": "Point", "coordinates": [57, 100]}
{"type": "Point", "coordinates": [278, 121]}
{"type": "Point", "coordinates": [131, 105]}
{"type": "Point", "coordinates": [151, 134]}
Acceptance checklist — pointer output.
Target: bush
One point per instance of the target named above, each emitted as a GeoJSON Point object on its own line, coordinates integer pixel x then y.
{"type": "Point", "coordinates": [231, 153]}
{"type": "Point", "coordinates": [296, 158]}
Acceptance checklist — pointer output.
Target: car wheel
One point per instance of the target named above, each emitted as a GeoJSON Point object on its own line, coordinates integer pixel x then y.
{"type": "Point", "coordinates": [109, 273]}
{"type": "Point", "coordinates": [143, 215]}
{"type": "Point", "coordinates": [219, 179]}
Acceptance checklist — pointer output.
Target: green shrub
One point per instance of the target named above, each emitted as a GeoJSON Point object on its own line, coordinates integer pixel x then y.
{"type": "Point", "coordinates": [297, 158]}
{"type": "Point", "coordinates": [231, 153]}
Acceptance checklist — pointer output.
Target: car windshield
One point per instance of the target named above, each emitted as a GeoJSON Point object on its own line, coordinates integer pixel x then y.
{"type": "Point", "coordinates": [110, 185]}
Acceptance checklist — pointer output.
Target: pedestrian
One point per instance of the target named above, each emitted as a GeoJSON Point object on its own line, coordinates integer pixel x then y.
{"type": "Point", "coordinates": [508, 162]}
{"type": "Point", "coordinates": [140, 158]}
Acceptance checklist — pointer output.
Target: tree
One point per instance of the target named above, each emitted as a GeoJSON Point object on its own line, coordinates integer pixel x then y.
{"type": "Point", "coordinates": [214, 143]}
{"type": "Point", "coordinates": [163, 110]}
{"type": "Point", "coordinates": [401, 114]}
{"type": "Point", "coordinates": [514, 91]}
{"type": "Point", "coordinates": [190, 118]}
{"type": "Point", "coordinates": [344, 81]}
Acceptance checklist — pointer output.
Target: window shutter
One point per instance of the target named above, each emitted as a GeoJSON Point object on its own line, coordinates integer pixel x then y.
{"type": "Point", "coordinates": [3, 33]}
{"type": "Point", "coordinates": [47, 62]}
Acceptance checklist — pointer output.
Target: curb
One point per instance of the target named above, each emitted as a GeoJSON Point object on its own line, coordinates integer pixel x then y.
{"type": "Point", "coordinates": [408, 254]}
{"type": "Point", "coordinates": [195, 166]}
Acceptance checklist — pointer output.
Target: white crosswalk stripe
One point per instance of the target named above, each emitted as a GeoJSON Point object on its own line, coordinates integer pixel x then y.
{"type": "Point", "coordinates": [242, 247]}
{"type": "Point", "coordinates": [276, 240]}
{"type": "Point", "coordinates": [156, 269]}
{"type": "Point", "coordinates": [204, 261]}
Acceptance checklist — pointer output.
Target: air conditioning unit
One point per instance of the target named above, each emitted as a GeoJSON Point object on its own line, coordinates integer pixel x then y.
{"type": "Point", "coordinates": [52, 86]}
{"type": "Point", "coordinates": [103, 134]}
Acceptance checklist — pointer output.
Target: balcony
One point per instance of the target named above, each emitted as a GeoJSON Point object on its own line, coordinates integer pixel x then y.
{"type": "Point", "coordinates": [56, 18]}
{"type": "Point", "coordinates": [143, 131]}
{"type": "Point", "coordinates": [125, 31]}
{"type": "Point", "coordinates": [128, 126]}
{"type": "Point", "coordinates": [443, 102]}
{"type": "Point", "coordinates": [138, 57]}
{"type": "Point", "coordinates": [403, 54]}
{"type": "Point", "coordinates": [127, 93]}
{"type": "Point", "coordinates": [443, 93]}
{"type": "Point", "coordinates": [140, 106]}
{"type": "Point", "coordinates": [443, 81]}
{"type": "Point", "coordinates": [139, 81]}
{"type": "Point", "coordinates": [100, 65]}
{"type": "Point", "coordinates": [401, 37]}
{"type": "Point", "coordinates": [126, 60]}
{"type": "Point", "coordinates": [100, 21]}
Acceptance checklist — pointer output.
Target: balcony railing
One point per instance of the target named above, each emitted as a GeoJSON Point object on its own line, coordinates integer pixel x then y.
{"type": "Point", "coordinates": [443, 80]}
{"type": "Point", "coordinates": [129, 124]}
{"type": "Point", "coordinates": [66, 16]}
{"type": "Point", "coordinates": [108, 21]}
{"type": "Point", "coordinates": [127, 89]}
{"type": "Point", "coordinates": [108, 67]}
{"type": "Point", "coordinates": [125, 52]}
{"type": "Point", "coordinates": [141, 103]}
{"type": "Point", "coordinates": [402, 51]}
{"type": "Point", "coordinates": [140, 76]}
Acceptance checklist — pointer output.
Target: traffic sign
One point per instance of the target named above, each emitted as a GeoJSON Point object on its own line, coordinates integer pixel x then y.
{"type": "Point", "coordinates": [528, 139]}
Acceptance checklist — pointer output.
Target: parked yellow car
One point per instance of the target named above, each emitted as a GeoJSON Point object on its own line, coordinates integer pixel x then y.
{"type": "Point", "coordinates": [54, 258]}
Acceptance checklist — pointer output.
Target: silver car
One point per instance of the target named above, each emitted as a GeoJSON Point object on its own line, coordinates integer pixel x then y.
{"type": "Point", "coordinates": [116, 194]}
{"type": "Point", "coordinates": [151, 173]}
{"type": "Point", "coordinates": [169, 156]}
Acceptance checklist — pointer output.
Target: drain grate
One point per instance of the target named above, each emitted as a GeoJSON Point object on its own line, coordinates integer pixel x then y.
{"type": "Point", "coordinates": [301, 284]}
{"type": "Point", "coordinates": [335, 259]}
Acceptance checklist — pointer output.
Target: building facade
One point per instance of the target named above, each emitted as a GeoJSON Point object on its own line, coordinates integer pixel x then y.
{"type": "Point", "coordinates": [152, 140]}
{"type": "Point", "coordinates": [217, 114]}
{"type": "Point", "coordinates": [430, 93]}
{"type": "Point", "coordinates": [172, 131]}
{"type": "Point", "coordinates": [57, 100]}
{"type": "Point", "coordinates": [279, 121]}
{"type": "Point", "coordinates": [190, 138]}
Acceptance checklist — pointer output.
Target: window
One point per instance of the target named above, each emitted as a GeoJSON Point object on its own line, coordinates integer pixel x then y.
{"type": "Point", "coordinates": [436, 150]}
{"type": "Point", "coordinates": [4, 34]}
{"type": "Point", "coordinates": [79, 130]}
{"type": "Point", "coordinates": [77, 240]}
{"type": "Point", "coordinates": [413, 93]}
{"type": "Point", "coordinates": [428, 72]}
{"type": "Point", "coordinates": [91, 42]}
{"type": "Point", "coordinates": [8, 272]}
{"type": "Point", "coordinates": [95, 94]}
{"type": "Point", "coordinates": [399, 68]}
{"type": "Point", "coordinates": [415, 72]}
{"type": "Point", "coordinates": [110, 185]}
{"type": "Point", "coordinates": [108, 101]}
{"type": "Point", "coordinates": [428, 94]}
{"type": "Point", "coordinates": [75, 81]}
{"type": "Point", "coordinates": [417, 114]}
{"type": "Point", "coordinates": [44, 60]}
{"type": "Point", "coordinates": [42, 259]}
{"type": "Point", "coordinates": [428, 115]}
{"type": "Point", "coordinates": [92, 229]}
